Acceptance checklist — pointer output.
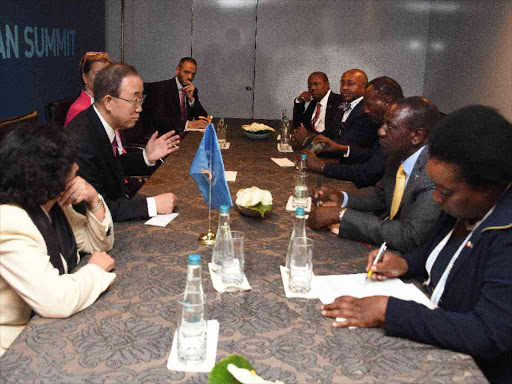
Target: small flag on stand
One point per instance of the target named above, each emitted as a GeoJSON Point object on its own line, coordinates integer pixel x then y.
{"type": "Point", "coordinates": [208, 164]}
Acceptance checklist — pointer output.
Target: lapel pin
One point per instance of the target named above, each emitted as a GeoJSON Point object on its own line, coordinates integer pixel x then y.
{"type": "Point", "coordinates": [469, 244]}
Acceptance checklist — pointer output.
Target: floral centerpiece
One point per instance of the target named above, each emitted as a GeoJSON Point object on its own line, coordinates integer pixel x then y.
{"type": "Point", "coordinates": [255, 200]}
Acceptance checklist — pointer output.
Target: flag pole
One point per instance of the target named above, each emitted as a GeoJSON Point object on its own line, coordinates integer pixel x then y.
{"type": "Point", "coordinates": [209, 237]}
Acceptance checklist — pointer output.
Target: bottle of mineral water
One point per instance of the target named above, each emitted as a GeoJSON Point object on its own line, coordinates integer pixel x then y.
{"type": "Point", "coordinates": [223, 242]}
{"type": "Point", "coordinates": [299, 230]}
{"type": "Point", "coordinates": [221, 133]}
{"type": "Point", "coordinates": [300, 192]}
{"type": "Point", "coordinates": [192, 331]}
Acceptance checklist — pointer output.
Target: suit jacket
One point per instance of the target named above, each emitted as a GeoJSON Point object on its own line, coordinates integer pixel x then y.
{"type": "Point", "coordinates": [416, 215]}
{"type": "Point", "coordinates": [304, 115]}
{"type": "Point", "coordinates": [105, 172]}
{"type": "Point", "coordinates": [475, 310]}
{"type": "Point", "coordinates": [165, 105]}
{"type": "Point", "coordinates": [28, 280]}
{"type": "Point", "coordinates": [359, 130]}
{"type": "Point", "coordinates": [364, 170]}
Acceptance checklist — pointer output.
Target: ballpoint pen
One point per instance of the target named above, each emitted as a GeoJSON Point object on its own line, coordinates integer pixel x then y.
{"type": "Point", "coordinates": [382, 249]}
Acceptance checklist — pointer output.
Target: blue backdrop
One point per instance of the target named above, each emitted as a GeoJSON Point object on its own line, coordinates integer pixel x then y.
{"type": "Point", "coordinates": [41, 43]}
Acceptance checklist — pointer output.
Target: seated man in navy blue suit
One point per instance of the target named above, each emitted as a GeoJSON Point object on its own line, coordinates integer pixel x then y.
{"type": "Point", "coordinates": [176, 104]}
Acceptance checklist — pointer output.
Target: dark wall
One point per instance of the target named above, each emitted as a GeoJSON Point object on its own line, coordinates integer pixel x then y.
{"type": "Point", "coordinates": [41, 43]}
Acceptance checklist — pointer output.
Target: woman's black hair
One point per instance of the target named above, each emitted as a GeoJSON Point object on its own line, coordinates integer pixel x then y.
{"type": "Point", "coordinates": [479, 141]}
{"type": "Point", "coordinates": [35, 162]}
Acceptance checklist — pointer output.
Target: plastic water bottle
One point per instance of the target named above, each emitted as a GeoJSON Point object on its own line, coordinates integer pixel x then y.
{"type": "Point", "coordinates": [223, 242]}
{"type": "Point", "coordinates": [221, 133]}
{"type": "Point", "coordinates": [192, 332]}
{"type": "Point", "coordinates": [299, 230]}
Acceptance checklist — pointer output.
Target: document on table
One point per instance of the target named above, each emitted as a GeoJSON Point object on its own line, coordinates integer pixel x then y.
{"type": "Point", "coordinates": [356, 285]}
{"type": "Point", "coordinates": [283, 162]}
{"type": "Point", "coordinates": [161, 220]}
{"type": "Point", "coordinates": [230, 175]}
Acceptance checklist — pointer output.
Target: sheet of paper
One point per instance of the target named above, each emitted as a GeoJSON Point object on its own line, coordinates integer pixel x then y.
{"type": "Point", "coordinates": [161, 220]}
{"type": "Point", "coordinates": [356, 285]}
{"type": "Point", "coordinates": [194, 130]}
{"type": "Point", "coordinates": [283, 162]}
{"type": "Point", "coordinates": [230, 175]}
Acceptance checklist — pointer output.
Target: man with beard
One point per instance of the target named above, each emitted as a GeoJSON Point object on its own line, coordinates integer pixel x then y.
{"type": "Point", "coordinates": [400, 209]}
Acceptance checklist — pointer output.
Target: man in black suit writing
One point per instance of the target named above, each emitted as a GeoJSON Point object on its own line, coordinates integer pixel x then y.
{"type": "Point", "coordinates": [102, 161]}
{"type": "Point", "coordinates": [176, 101]}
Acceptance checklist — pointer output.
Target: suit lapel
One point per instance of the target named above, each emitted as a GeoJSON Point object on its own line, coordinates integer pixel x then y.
{"type": "Point", "coordinates": [411, 183]}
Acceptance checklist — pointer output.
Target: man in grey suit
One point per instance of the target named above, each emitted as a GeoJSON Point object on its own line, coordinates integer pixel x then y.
{"type": "Point", "coordinates": [400, 209]}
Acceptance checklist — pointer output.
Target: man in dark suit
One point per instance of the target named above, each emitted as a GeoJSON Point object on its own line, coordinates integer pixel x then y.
{"type": "Point", "coordinates": [176, 104]}
{"type": "Point", "coordinates": [102, 161]}
{"type": "Point", "coordinates": [400, 209]}
{"type": "Point", "coordinates": [315, 110]}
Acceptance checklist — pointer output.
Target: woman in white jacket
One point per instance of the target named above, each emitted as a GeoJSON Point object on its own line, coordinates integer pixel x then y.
{"type": "Point", "coordinates": [41, 233]}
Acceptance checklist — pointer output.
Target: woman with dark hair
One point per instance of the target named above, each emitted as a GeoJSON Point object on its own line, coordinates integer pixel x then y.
{"type": "Point", "coordinates": [90, 64]}
{"type": "Point", "coordinates": [467, 262]}
{"type": "Point", "coordinates": [41, 234]}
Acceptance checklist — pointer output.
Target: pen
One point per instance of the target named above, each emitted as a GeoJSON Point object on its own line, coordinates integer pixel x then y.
{"type": "Point", "coordinates": [382, 249]}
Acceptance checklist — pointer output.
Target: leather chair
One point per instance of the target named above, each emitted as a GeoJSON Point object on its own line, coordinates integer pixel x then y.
{"type": "Point", "coordinates": [9, 124]}
{"type": "Point", "coordinates": [57, 110]}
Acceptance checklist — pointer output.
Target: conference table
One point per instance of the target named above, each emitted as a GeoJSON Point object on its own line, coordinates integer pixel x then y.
{"type": "Point", "coordinates": [126, 336]}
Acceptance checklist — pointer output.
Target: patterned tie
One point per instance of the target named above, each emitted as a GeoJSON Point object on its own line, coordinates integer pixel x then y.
{"type": "Point", "coordinates": [398, 193]}
{"type": "Point", "coordinates": [182, 104]}
{"type": "Point", "coordinates": [317, 115]}
{"type": "Point", "coordinates": [115, 147]}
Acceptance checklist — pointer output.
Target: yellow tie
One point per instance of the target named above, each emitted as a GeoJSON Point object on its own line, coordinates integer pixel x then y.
{"type": "Point", "coordinates": [398, 193]}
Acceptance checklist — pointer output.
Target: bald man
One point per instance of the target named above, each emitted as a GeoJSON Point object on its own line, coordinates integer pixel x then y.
{"type": "Point", "coordinates": [400, 209]}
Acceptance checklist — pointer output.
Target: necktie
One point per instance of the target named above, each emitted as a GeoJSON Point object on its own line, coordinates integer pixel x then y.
{"type": "Point", "coordinates": [398, 192]}
{"type": "Point", "coordinates": [115, 147]}
{"type": "Point", "coordinates": [182, 104]}
{"type": "Point", "coordinates": [317, 115]}
{"type": "Point", "coordinates": [346, 107]}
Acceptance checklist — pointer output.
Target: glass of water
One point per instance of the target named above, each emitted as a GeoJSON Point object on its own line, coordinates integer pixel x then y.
{"type": "Point", "coordinates": [222, 135]}
{"type": "Point", "coordinates": [301, 265]}
{"type": "Point", "coordinates": [192, 329]}
{"type": "Point", "coordinates": [233, 264]}
{"type": "Point", "coordinates": [285, 135]}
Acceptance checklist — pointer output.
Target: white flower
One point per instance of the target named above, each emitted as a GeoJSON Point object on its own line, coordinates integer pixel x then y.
{"type": "Point", "coordinates": [247, 377]}
{"type": "Point", "coordinates": [256, 127]}
{"type": "Point", "coordinates": [250, 197]}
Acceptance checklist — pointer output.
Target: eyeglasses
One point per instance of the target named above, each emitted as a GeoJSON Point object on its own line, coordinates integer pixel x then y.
{"type": "Point", "coordinates": [134, 102]}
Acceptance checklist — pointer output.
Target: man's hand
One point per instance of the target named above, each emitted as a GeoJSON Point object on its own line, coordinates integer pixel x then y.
{"type": "Point", "coordinates": [330, 145]}
{"type": "Point", "coordinates": [368, 312]}
{"type": "Point", "coordinates": [78, 190]}
{"type": "Point", "coordinates": [390, 265]}
{"type": "Point", "coordinates": [189, 89]}
{"type": "Point", "coordinates": [165, 203]}
{"type": "Point", "coordinates": [156, 148]}
{"type": "Point", "coordinates": [322, 217]}
{"type": "Point", "coordinates": [328, 194]}
{"type": "Point", "coordinates": [313, 163]}
{"type": "Point", "coordinates": [198, 124]}
{"type": "Point", "coordinates": [304, 96]}
{"type": "Point", "coordinates": [300, 134]}
{"type": "Point", "coordinates": [103, 260]}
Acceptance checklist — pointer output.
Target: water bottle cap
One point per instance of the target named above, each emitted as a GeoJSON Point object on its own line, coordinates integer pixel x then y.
{"type": "Point", "coordinates": [303, 156]}
{"type": "Point", "coordinates": [285, 118]}
{"type": "Point", "coordinates": [299, 212]}
{"type": "Point", "coordinates": [224, 209]}
{"type": "Point", "coordinates": [194, 259]}
{"type": "Point", "coordinates": [222, 117]}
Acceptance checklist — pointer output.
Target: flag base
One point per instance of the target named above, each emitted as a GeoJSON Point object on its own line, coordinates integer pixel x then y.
{"type": "Point", "coordinates": [207, 238]}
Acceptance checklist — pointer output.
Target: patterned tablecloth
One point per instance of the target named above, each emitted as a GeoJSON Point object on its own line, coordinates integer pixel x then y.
{"type": "Point", "coordinates": [126, 336]}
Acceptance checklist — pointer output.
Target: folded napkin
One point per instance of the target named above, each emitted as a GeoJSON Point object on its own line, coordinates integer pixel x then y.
{"type": "Point", "coordinates": [286, 150]}
{"type": "Point", "coordinates": [291, 208]}
{"type": "Point", "coordinates": [283, 162]}
{"type": "Point", "coordinates": [312, 294]}
{"type": "Point", "coordinates": [212, 338]}
{"type": "Point", "coordinates": [161, 220]}
{"type": "Point", "coordinates": [219, 285]}
{"type": "Point", "coordinates": [230, 175]}
{"type": "Point", "coordinates": [225, 146]}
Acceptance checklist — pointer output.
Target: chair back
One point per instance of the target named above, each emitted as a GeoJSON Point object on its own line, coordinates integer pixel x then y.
{"type": "Point", "coordinates": [57, 110]}
{"type": "Point", "coordinates": [12, 123]}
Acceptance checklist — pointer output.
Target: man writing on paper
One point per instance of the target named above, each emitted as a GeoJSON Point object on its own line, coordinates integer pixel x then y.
{"type": "Point", "coordinates": [466, 260]}
{"type": "Point", "coordinates": [400, 209]}
{"type": "Point", "coordinates": [315, 110]}
{"type": "Point", "coordinates": [176, 101]}
{"type": "Point", "coordinates": [103, 162]}
{"type": "Point", "coordinates": [362, 166]}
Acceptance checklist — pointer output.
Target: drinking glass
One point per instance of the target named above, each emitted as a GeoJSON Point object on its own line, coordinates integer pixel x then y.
{"type": "Point", "coordinates": [300, 191]}
{"type": "Point", "coordinates": [285, 136]}
{"type": "Point", "coordinates": [233, 264]}
{"type": "Point", "coordinates": [301, 265]}
{"type": "Point", "coordinates": [192, 329]}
